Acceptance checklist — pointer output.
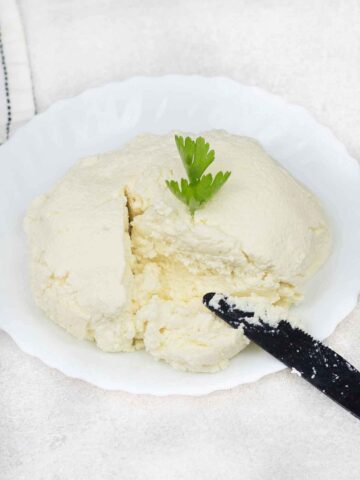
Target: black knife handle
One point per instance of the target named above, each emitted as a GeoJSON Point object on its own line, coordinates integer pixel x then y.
{"type": "Point", "coordinates": [314, 361]}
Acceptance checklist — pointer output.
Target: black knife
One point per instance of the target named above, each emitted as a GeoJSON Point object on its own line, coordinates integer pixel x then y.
{"type": "Point", "coordinates": [318, 364]}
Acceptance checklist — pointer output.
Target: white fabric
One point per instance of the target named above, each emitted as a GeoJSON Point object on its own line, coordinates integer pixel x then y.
{"type": "Point", "coordinates": [52, 427]}
{"type": "Point", "coordinates": [16, 96]}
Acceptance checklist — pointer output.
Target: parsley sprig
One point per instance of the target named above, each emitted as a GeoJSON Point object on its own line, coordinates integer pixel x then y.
{"type": "Point", "coordinates": [198, 189]}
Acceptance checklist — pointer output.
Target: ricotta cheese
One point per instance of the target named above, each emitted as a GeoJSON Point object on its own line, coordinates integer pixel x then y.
{"type": "Point", "coordinates": [80, 256]}
{"type": "Point", "coordinates": [139, 284]}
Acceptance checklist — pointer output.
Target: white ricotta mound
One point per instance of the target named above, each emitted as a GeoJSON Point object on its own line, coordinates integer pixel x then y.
{"type": "Point", "coordinates": [261, 237]}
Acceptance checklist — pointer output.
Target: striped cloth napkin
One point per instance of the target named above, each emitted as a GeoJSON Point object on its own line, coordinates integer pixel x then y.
{"type": "Point", "coordinates": [16, 96]}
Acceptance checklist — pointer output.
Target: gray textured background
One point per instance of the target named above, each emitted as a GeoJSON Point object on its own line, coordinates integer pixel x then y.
{"type": "Point", "coordinates": [55, 428]}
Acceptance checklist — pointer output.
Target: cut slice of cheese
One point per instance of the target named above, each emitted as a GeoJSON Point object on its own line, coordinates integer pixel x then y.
{"type": "Point", "coordinates": [80, 256]}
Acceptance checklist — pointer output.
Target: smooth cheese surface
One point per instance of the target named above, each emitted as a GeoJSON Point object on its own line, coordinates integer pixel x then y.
{"type": "Point", "coordinates": [79, 256]}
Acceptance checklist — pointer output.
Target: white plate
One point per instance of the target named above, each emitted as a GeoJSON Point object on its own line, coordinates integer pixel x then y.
{"type": "Point", "coordinates": [103, 119]}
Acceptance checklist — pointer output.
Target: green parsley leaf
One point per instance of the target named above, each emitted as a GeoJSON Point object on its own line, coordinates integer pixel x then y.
{"type": "Point", "coordinates": [195, 155]}
{"type": "Point", "coordinates": [198, 189]}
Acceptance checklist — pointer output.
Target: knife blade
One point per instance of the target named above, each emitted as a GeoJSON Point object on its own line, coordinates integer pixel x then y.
{"type": "Point", "coordinates": [325, 369]}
